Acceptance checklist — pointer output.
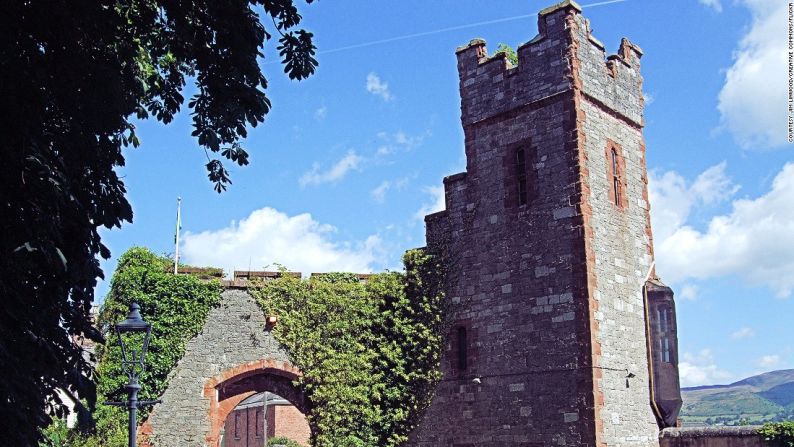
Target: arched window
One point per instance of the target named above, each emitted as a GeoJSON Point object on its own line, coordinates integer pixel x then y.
{"type": "Point", "coordinates": [521, 176]}
{"type": "Point", "coordinates": [463, 347]}
{"type": "Point", "coordinates": [615, 177]}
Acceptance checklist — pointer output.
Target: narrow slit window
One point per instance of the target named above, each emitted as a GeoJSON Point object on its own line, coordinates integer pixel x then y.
{"type": "Point", "coordinates": [615, 177]}
{"type": "Point", "coordinates": [260, 423]}
{"type": "Point", "coordinates": [659, 321]}
{"type": "Point", "coordinates": [661, 349]}
{"type": "Point", "coordinates": [521, 176]}
{"type": "Point", "coordinates": [666, 350]}
{"type": "Point", "coordinates": [463, 347]}
{"type": "Point", "coordinates": [237, 424]}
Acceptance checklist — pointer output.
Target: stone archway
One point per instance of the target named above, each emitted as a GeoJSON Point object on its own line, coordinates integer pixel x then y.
{"type": "Point", "coordinates": [219, 368]}
{"type": "Point", "coordinates": [230, 387]}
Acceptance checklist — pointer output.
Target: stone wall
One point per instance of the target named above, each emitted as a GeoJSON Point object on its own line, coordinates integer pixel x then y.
{"type": "Point", "coordinates": [711, 437]}
{"type": "Point", "coordinates": [233, 335]}
{"type": "Point", "coordinates": [610, 107]}
{"type": "Point", "coordinates": [547, 292]}
{"type": "Point", "coordinates": [512, 280]}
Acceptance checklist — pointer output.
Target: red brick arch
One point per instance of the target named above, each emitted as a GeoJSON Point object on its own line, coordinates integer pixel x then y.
{"type": "Point", "coordinates": [230, 387]}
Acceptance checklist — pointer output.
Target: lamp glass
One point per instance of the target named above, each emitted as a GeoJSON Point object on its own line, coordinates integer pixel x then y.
{"type": "Point", "coordinates": [133, 334]}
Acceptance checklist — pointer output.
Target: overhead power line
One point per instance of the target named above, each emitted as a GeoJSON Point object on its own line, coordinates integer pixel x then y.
{"type": "Point", "coordinates": [451, 28]}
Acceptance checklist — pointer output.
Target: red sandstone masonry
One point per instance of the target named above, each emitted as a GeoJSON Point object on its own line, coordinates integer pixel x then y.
{"type": "Point", "coordinates": [588, 343]}
{"type": "Point", "coordinates": [525, 279]}
{"type": "Point", "coordinates": [624, 197]}
{"type": "Point", "coordinates": [220, 409]}
{"type": "Point", "coordinates": [232, 356]}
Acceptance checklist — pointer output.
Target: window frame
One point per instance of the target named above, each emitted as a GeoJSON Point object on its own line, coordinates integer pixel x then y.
{"type": "Point", "coordinates": [462, 342]}
{"type": "Point", "coordinates": [616, 175]}
{"type": "Point", "coordinates": [260, 423]}
{"type": "Point", "coordinates": [521, 176]}
{"type": "Point", "coordinates": [237, 424]}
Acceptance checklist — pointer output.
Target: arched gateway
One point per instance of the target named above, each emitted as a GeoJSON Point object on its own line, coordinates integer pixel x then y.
{"type": "Point", "coordinates": [228, 389]}
{"type": "Point", "coordinates": [232, 358]}
{"type": "Point", "coordinates": [561, 334]}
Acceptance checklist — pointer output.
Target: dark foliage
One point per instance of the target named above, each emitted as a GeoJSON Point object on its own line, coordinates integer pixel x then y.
{"type": "Point", "coordinates": [72, 76]}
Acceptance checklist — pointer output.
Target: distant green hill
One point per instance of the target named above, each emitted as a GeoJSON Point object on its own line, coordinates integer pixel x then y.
{"type": "Point", "coordinates": [763, 398]}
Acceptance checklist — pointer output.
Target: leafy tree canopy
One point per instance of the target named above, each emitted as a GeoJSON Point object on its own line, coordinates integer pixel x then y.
{"type": "Point", "coordinates": [509, 52]}
{"type": "Point", "coordinates": [73, 74]}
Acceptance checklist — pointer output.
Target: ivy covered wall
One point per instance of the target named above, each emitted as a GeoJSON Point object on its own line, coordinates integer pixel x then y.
{"type": "Point", "coordinates": [175, 305]}
{"type": "Point", "coordinates": [369, 352]}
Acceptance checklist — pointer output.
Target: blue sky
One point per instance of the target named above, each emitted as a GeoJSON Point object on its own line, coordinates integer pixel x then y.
{"type": "Point", "coordinates": [349, 160]}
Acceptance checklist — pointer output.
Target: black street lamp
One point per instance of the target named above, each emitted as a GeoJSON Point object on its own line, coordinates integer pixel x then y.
{"type": "Point", "coordinates": [133, 364]}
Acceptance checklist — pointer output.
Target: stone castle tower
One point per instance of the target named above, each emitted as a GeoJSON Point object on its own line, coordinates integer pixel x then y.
{"type": "Point", "coordinates": [549, 238]}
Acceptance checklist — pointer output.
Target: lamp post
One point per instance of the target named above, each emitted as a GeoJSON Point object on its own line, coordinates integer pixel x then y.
{"type": "Point", "coordinates": [133, 364]}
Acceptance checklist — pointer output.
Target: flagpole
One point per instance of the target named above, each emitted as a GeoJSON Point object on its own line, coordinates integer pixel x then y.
{"type": "Point", "coordinates": [176, 239]}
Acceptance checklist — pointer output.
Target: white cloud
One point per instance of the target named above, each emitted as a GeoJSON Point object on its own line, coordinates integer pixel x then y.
{"type": "Point", "coordinates": [753, 241]}
{"type": "Point", "coordinates": [752, 102]}
{"type": "Point", "coordinates": [648, 98]}
{"type": "Point", "coordinates": [769, 361]}
{"type": "Point", "coordinates": [701, 369]}
{"type": "Point", "coordinates": [689, 292]}
{"type": "Point", "coordinates": [399, 141]}
{"type": "Point", "coordinates": [269, 236]}
{"type": "Point", "coordinates": [716, 5]}
{"type": "Point", "coordinates": [436, 203]}
{"type": "Point", "coordinates": [379, 193]}
{"type": "Point", "coordinates": [713, 185]}
{"type": "Point", "coordinates": [672, 198]}
{"type": "Point", "coordinates": [744, 332]}
{"type": "Point", "coordinates": [351, 161]}
{"type": "Point", "coordinates": [321, 113]}
{"type": "Point", "coordinates": [409, 142]}
{"type": "Point", "coordinates": [378, 87]}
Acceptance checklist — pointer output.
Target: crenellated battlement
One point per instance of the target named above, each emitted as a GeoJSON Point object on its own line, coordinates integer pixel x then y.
{"type": "Point", "coordinates": [562, 57]}
{"type": "Point", "coordinates": [547, 235]}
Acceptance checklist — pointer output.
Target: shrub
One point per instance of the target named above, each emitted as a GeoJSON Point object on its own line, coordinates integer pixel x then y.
{"type": "Point", "coordinates": [778, 434]}
{"type": "Point", "coordinates": [282, 441]}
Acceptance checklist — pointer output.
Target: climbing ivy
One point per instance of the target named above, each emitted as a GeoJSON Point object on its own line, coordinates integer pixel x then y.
{"type": "Point", "coordinates": [778, 433]}
{"type": "Point", "coordinates": [175, 305]}
{"type": "Point", "coordinates": [369, 352]}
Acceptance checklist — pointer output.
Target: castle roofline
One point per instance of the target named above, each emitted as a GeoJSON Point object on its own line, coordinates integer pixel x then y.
{"type": "Point", "coordinates": [561, 5]}
{"type": "Point", "coordinates": [479, 41]}
{"type": "Point", "coordinates": [656, 285]}
{"type": "Point", "coordinates": [567, 4]}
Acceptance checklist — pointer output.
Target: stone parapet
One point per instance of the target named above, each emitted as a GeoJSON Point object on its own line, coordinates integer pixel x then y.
{"type": "Point", "coordinates": [746, 436]}
{"type": "Point", "coordinates": [490, 85]}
